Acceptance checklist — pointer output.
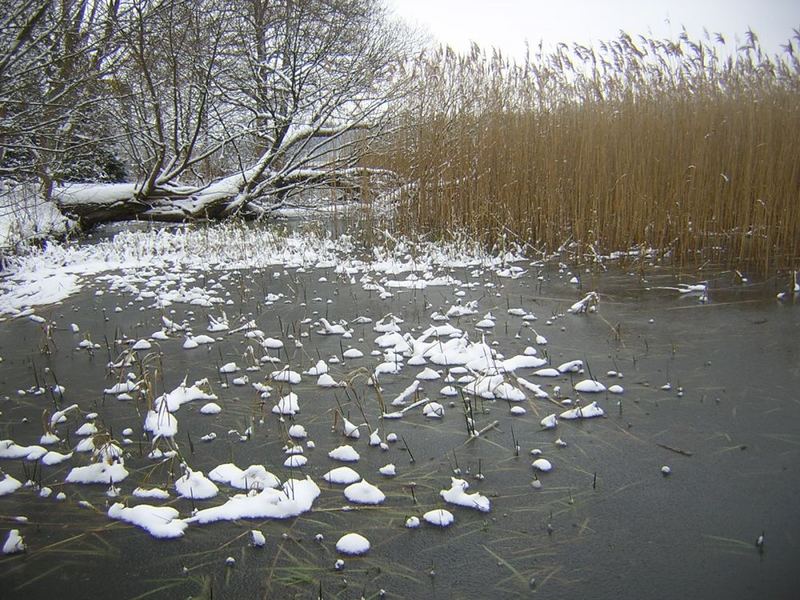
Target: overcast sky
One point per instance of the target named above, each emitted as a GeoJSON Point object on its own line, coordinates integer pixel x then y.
{"type": "Point", "coordinates": [508, 23]}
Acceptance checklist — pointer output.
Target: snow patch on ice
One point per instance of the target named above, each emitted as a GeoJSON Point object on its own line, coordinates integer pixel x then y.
{"type": "Point", "coordinates": [158, 521]}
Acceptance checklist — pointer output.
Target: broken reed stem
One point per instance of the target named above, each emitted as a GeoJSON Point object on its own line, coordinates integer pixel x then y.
{"type": "Point", "coordinates": [478, 434]}
{"type": "Point", "coordinates": [408, 449]}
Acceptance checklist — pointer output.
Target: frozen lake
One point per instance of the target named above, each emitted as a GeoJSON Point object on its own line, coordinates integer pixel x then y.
{"type": "Point", "coordinates": [707, 386]}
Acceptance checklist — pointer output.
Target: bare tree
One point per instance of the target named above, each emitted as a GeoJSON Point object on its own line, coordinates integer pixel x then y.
{"type": "Point", "coordinates": [54, 58]}
{"type": "Point", "coordinates": [284, 94]}
{"type": "Point", "coordinates": [313, 73]}
{"type": "Point", "coordinates": [163, 104]}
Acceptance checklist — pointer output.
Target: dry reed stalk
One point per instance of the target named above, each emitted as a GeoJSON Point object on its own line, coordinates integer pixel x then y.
{"type": "Point", "coordinates": [671, 145]}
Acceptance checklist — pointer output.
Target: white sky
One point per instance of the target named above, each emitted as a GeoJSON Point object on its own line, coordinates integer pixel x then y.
{"type": "Point", "coordinates": [507, 24]}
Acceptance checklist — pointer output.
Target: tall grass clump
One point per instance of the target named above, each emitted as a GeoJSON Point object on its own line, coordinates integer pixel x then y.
{"type": "Point", "coordinates": [689, 148]}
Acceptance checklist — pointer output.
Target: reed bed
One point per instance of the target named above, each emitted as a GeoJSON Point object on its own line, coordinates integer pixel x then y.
{"type": "Point", "coordinates": [682, 147]}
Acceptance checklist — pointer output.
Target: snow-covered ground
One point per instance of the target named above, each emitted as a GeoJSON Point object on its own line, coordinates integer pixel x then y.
{"type": "Point", "coordinates": [25, 217]}
{"type": "Point", "coordinates": [46, 276]}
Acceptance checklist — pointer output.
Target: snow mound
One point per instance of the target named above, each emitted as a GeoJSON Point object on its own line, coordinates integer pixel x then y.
{"type": "Point", "coordinates": [571, 366]}
{"type": "Point", "coordinates": [433, 410]}
{"type": "Point", "coordinates": [548, 372]}
{"type": "Point", "coordinates": [344, 453]}
{"type": "Point", "coordinates": [55, 458]}
{"type": "Point", "coordinates": [298, 432]}
{"type": "Point", "coordinates": [589, 386]}
{"type": "Point", "coordinates": [457, 495]}
{"type": "Point", "coordinates": [439, 517]}
{"type": "Point", "coordinates": [153, 493]}
{"type": "Point", "coordinates": [161, 423]}
{"type": "Point", "coordinates": [255, 477]}
{"type": "Point", "coordinates": [195, 485]}
{"type": "Point", "coordinates": [286, 375]}
{"type": "Point", "coordinates": [212, 408]}
{"type": "Point", "coordinates": [10, 449]}
{"type": "Point", "coordinates": [295, 498]}
{"type": "Point", "coordinates": [428, 374]}
{"type": "Point", "coordinates": [549, 422]}
{"type": "Point", "coordinates": [9, 485]}
{"type": "Point", "coordinates": [412, 522]}
{"type": "Point", "coordinates": [583, 412]}
{"type": "Point", "coordinates": [183, 394]}
{"type": "Point", "coordinates": [388, 470]}
{"type": "Point", "coordinates": [158, 521]}
{"type": "Point", "coordinates": [364, 492]}
{"type": "Point", "coordinates": [14, 543]}
{"type": "Point", "coordinates": [99, 472]}
{"type": "Point", "coordinates": [320, 368]}
{"type": "Point", "coordinates": [287, 405]}
{"type": "Point", "coordinates": [295, 461]}
{"type": "Point", "coordinates": [343, 475]}
{"type": "Point", "coordinates": [353, 544]}
{"type": "Point", "coordinates": [257, 538]}
{"type": "Point", "coordinates": [326, 381]}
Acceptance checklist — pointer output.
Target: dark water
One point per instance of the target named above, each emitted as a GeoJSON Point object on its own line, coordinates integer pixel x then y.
{"type": "Point", "coordinates": [605, 524]}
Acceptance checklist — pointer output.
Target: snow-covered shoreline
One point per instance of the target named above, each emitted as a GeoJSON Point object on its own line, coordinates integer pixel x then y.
{"type": "Point", "coordinates": [51, 274]}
